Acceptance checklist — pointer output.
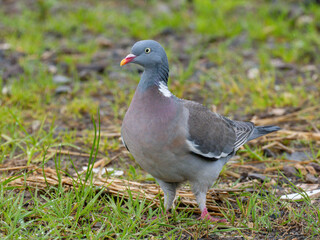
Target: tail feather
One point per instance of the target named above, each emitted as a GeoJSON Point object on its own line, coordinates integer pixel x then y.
{"type": "Point", "coordinates": [262, 130]}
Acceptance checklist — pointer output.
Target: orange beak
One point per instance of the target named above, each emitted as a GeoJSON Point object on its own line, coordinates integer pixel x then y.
{"type": "Point", "coordinates": [127, 59]}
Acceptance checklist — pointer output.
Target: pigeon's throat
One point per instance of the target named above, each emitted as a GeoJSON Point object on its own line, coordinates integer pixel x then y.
{"type": "Point", "coordinates": [155, 76]}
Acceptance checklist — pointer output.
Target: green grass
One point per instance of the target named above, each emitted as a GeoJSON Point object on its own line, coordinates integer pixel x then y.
{"type": "Point", "coordinates": [211, 46]}
{"type": "Point", "coordinates": [73, 215]}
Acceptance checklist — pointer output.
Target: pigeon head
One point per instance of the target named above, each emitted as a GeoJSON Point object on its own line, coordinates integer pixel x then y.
{"type": "Point", "coordinates": [148, 54]}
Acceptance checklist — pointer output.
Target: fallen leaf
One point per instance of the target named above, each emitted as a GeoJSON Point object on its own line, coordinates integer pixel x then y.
{"type": "Point", "coordinates": [311, 170]}
{"type": "Point", "coordinates": [307, 187]}
{"type": "Point", "coordinates": [278, 111]}
{"type": "Point", "coordinates": [289, 171]}
{"type": "Point", "coordinates": [315, 166]}
{"type": "Point", "coordinates": [5, 46]}
{"type": "Point", "coordinates": [311, 179]}
{"type": "Point", "coordinates": [301, 168]}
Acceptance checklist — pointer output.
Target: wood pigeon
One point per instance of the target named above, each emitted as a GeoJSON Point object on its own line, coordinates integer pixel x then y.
{"type": "Point", "coordinates": [177, 140]}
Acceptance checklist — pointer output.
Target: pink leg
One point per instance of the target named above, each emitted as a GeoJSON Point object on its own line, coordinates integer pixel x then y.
{"type": "Point", "coordinates": [206, 216]}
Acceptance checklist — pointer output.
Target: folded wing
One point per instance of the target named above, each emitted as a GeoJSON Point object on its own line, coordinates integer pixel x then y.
{"type": "Point", "coordinates": [213, 136]}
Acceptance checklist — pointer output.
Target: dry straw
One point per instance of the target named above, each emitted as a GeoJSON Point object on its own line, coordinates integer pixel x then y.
{"type": "Point", "coordinates": [120, 187]}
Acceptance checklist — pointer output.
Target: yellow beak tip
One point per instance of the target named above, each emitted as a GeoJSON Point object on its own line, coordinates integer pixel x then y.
{"type": "Point", "coordinates": [123, 62]}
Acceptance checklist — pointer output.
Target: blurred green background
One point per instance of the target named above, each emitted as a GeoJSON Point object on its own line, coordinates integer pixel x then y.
{"type": "Point", "coordinates": [59, 60]}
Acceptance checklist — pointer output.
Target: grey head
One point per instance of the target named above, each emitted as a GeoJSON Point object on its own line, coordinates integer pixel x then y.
{"type": "Point", "coordinates": [150, 55]}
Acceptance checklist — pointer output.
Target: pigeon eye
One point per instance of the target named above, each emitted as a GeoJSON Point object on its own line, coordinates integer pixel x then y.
{"type": "Point", "coordinates": [147, 50]}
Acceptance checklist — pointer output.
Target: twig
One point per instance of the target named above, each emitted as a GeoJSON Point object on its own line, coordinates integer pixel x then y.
{"type": "Point", "coordinates": [232, 174]}
{"type": "Point", "coordinates": [281, 166]}
{"type": "Point", "coordinates": [110, 134]}
{"type": "Point", "coordinates": [16, 168]}
{"type": "Point", "coordinates": [67, 152]}
{"type": "Point", "coordinates": [247, 167]}
{"type": "Point", "coordinates": [314, 126]}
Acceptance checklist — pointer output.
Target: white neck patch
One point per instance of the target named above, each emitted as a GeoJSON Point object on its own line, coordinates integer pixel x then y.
{"type": "Point", "coordinates": [164, 90]}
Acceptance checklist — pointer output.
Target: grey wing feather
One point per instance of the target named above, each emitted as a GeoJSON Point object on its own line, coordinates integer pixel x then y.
{"type": "Point", "coordinates": [210, 135]}
{"type": "Point", "coordinates": [243, 131]}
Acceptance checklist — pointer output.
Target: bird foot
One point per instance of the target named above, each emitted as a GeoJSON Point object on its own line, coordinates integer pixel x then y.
{"type": "Point", "coordinates": [206, 216]}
